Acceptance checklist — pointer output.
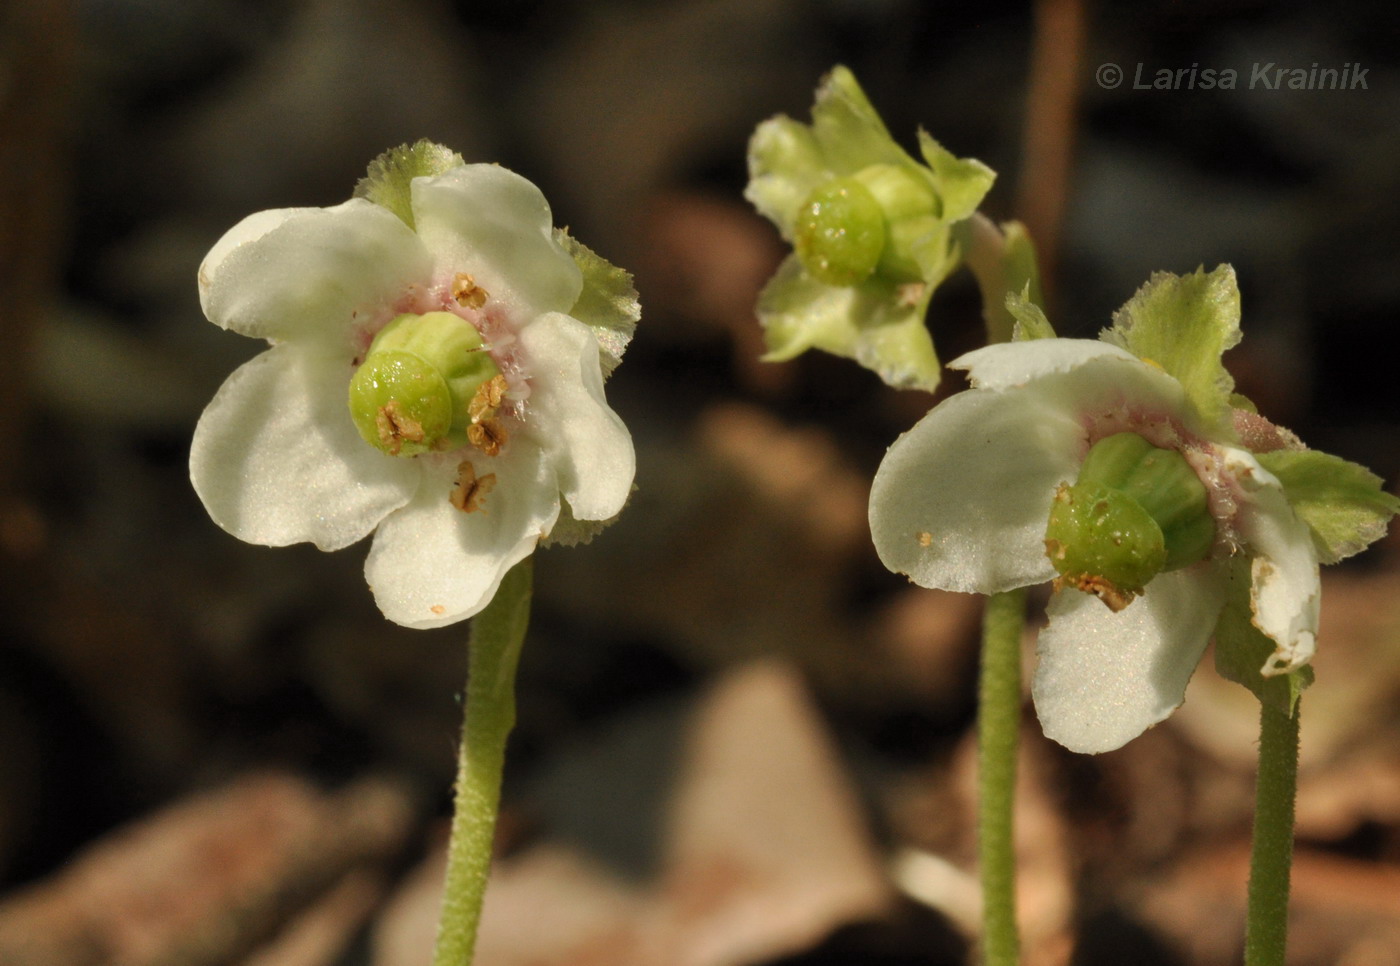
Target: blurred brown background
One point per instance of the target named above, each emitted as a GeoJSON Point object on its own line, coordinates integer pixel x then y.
{"type": "Point", "coordinates": [741, 741]}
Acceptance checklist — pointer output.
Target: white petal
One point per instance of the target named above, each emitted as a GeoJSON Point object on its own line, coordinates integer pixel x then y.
{"type": "Point", "coordinates": [568, 417]}
{"type": "Point", "coordinates": [309, 273]}
{"type": "Point", "coordinates": [1105, 678]}
{"type": "Point", "coordinates": [961, 501]}
{"type": "Point", "coordinates": [250, 229]}
{"type": "Point", "coordinates": [1286, 591]}
{"type": "Point", "coordinates": [432, 564]}
{"type": "Point", "coordinates": [1102, 384]}
{"type": "Point", "coordinates": [277, 460]}
{"type": "Point", "coordinates": [496, 226]}
{"type": "Point", "coordinates": [1007, 364]}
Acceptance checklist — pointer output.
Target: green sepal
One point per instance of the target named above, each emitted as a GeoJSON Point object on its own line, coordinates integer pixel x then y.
{"type": "Point", "coordinates": [388, 180]}
{"type": "Point", "coordinates": [1344, 504]}
{"type": "Point", "coordinates": [879, 324]}
{"type": "Point", "coordinates": [608, 303]}
{"type": "Point", "coordinates": [785, 167]}
{"type": "Point", "coordinates": [570, 531]}
{"type": "Point", "coordinates": [1184, 323]}
{"type": "Point", "coordinates": [848, 127]}
{"type": "Point", "coordinates": [961, 183]}
{"type": "Point", "coordinates": [1240, 401]}
{"type": "Point", "coordinates": [1242, 650]}
{"type": "Point", "coordinates": [1031, 322]}
{"type": "Point", "coordinates": [788, 160]}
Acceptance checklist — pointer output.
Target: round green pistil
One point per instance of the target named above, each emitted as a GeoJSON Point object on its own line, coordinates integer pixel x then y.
{"type": "Point", "coordinates": [1102, 541]}
{"type": "Point", "coordinates": [415, 390]}
{"type": "Point", "coordinates": [1135, 511]}
{"type": "Point", "coordinates": [400, 403]}
{"type": "Point", "coordinates": [840, 233]}
{"type": "Point", "coordinates": [1163, 484]}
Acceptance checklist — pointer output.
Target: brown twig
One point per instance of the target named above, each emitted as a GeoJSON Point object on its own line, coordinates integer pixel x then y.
{"type": "Point", "coordinates": [1052, 101]}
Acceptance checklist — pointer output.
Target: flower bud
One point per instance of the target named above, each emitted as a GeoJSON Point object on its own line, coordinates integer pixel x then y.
{"type": "Point", "coordinates": [1135, 511]}
{"type": "Point", "coordinates": [413, 393]}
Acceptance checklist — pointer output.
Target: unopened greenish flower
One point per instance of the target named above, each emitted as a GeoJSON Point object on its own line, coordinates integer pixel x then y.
{"type": "Point", "coordinates": [871, 230]}
{"type": "Point", "coordinates": [435, 376]}
{"type": "Point", "coordinates": [1165, 509]}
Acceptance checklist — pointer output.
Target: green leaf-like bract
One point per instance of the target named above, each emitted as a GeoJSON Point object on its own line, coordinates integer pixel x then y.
{"type": "Point", "coordinates": [389, 176]}
{"type": "Point", "coordinates": [1184, 323]}
{"type": "Point", "coordinates": [1342, 503]}
{"type": "Point", "coordinates": [608, 303]}
{"type": "Point", "coordinates": [1242, 650]}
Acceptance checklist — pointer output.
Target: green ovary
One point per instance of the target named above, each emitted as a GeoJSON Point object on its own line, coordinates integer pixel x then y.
{"type": "Point", "coordinates": [841, 233]}
{"type": "Point", "coordinates": [1135, 511]}
{"type": "Point", "coordinates": [869, 223]}
{"type": "Point", "coordinates": [413, 392]}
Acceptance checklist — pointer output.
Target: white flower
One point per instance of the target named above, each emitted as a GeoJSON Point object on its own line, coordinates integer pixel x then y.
{"type": "Point", "coordinates": [277, 458]}
{"type": "Point", "coordinates": [961, 503]}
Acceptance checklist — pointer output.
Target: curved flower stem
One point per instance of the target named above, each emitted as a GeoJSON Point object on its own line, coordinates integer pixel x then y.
{"type": "Point", "coordinates": [1266, 930]}
{"type": "Point", "coordinates": [496, 636]}
{"type": "Point", "coordinates": [998, 720]}
{"type": "Point", "coordinates": [984, 248]}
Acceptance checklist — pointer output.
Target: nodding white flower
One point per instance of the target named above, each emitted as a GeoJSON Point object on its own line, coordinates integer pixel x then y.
{"type": "Point", "coordinates": [1163, 513]}
{"type": "Point", "coordinates": [435, 377]}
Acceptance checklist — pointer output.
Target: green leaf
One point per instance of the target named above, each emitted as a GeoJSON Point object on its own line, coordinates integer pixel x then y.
{"type": "Point", "coordinates": [608, 303]}
{"type": "Point", "coordinates": [389, 176]}
{"type": "Point", "coordinates": [1031, 322]}
{"type": "Point", "coordinates": [962, 183]}
{"type": "Point", "coordinates": [1242, 650]}
{"type": "Point", "coordinates": [1343, 504]}
{"type": "Point", "coordinates": [877, 323]}
{"type": "Point", "coordinates": [1184, 323]}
